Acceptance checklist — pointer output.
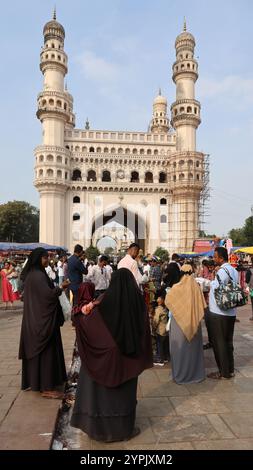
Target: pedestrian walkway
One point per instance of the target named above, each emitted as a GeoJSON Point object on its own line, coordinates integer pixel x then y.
{"type": "Point", "coordinates": [210, 415]}
{"type": "Point", "coordinates": [26, 419]}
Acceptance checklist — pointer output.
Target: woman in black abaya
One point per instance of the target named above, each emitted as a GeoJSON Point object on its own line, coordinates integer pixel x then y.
{"type": "Point", "coordinates": [43, 365]}
{"type": "Point", "coordinates": [114, 344]}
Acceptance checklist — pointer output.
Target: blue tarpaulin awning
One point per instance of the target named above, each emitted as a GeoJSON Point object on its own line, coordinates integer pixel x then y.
{"type": "Point", "coordinates": [5, 246]}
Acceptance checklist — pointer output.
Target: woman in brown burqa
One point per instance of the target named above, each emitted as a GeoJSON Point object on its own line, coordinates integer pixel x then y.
{"type": "Point", "coordinates": [43, 365]}
{"type": "Point", "coordinates": [114, 344]}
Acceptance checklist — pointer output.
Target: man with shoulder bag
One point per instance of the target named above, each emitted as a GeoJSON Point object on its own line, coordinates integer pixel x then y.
{"type": "Point", "coordinates": [225, 296]}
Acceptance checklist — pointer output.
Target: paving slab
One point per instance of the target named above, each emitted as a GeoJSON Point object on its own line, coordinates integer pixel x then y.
{"type": "Point", "coordinates": [206, 416]}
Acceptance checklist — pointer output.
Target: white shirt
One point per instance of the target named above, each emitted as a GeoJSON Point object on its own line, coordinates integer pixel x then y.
{"type": "Point", "coordinates": [129, 263]}
{"type": "Point", "coordinates": [213, 307]}
{"type": "Point", "coordinates": [109, 270]}
{"type": "Point", "coordinates": [100, 277]}
{"type": "Point", "coordinates": [60, 269]}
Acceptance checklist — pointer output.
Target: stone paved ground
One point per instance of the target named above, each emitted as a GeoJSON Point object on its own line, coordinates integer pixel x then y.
{"type": "Point", "coordinates": [210, 415]}
{"type": "Point", "coordinates": [26, 419]}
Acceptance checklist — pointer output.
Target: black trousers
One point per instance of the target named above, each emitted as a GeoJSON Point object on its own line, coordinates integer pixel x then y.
{"type": "Point", "coordinates": [221, 330]}
{"type": "Point", "coordinates": [164, 347]}
{"type": "Point", "coordinates": [206, 318]}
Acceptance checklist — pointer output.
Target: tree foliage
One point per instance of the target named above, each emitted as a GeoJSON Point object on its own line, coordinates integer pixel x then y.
{"type": "Point", "coordinates": [162, 253]}
{"type": "Point", "coordinates": [19, 222]}
{"type": "Point", "coordinates": [109, 251]}
{"type": "Point", "coordinates": [92, 253]}
{"type": "Point", "coordinates": [243, 236]}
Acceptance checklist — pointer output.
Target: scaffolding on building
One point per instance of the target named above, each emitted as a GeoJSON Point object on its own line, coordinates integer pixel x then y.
{"type": "Point", "coordinates": [204, 196]}
{"type": "Point", "coordinates": [189, 173]}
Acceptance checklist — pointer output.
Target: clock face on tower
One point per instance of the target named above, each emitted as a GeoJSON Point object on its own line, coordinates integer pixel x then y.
{"type": "Point", "coordinates": [120, 174]}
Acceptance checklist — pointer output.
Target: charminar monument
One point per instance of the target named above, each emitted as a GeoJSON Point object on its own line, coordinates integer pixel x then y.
{"type": "Point", "coordinates": [148, 182]}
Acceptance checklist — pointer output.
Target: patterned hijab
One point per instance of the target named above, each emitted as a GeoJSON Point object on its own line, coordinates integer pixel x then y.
{"type": "Point", "coordinates": [186, 302]}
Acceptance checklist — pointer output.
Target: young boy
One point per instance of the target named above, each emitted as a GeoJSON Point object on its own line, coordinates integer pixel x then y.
{"type": "Point", "coordinates": [160, 321]}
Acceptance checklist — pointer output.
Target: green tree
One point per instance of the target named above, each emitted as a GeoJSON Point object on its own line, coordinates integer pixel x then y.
{"type": "Point", "coordinates": [237, 236]}
{"type": "Point", "coordinates": [248, 231]}
{"type": "Point", "coordinates": [162, 253]}
{"type": "Point", "coordinates": [19, 222]}
{"type": "Point", "coordinates": [109, 251]}
{"type": "Point", "coordinates": [92, 253]}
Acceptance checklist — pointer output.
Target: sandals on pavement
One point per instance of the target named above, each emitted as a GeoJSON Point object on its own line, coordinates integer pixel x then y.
{"type": "Point", "coordinates": [218, 376]}
{"type": "Point", "coordinates": [53, 394]}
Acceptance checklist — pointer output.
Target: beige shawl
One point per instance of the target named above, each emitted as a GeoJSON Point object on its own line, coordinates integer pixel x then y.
{"type": "Point", "coordinates": [186, 302]}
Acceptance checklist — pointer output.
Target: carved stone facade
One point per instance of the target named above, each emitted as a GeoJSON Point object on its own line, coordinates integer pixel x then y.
{"type": "Point", "coordinates": [149, 182]}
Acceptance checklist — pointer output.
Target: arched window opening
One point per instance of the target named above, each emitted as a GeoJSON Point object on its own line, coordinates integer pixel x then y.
{"type": "Point", "coordinates": [105, 150]}
{"type": "Point", "coordinates": [67, 147]}
{"type": "Point", "coordinates": [181, 176]}
{"type": "Point", "coordinates": [149, 152]}
{"type": "Point", "coordinates": [77, 176]}
{"type": "Point", "coordinates": [162, 177]}
{"type": "Point", "coordinates": [181, 162]}
{"type": "Point", "coordinates": [91, 175]}
{"type": "Point", "coordinates": [91, 149]}
{"type": "Point", "coordinates": [190, 176]}
{"type": "Point", "coordinates": [135, 177]}
{"type": "Point", "coordinates": [41, 158]}
{"type": "Point", "coordinates": [189, 109]}
{"type": "Point", "coordinates": [50, 158]}
{"type": "Point", "coordinates": [156, 152]}
{"type": "Point", "coordinates": [59, 174]}
{"type": "Point", "coordinates": [163, 219]}
{"type": "Point", "coordinates": [142, 151]}
{"type": "Point", "coordinates": [113, 150]}
{"type": "Point", "coordinates": [198, 177]}
{"type": "Point", "coordinates": [148, 177]}
{"type": "Point", "coordinates": [134, 151]}
{"type": "Point", "coordinates": [98, 149]}
{"type": "Point", "coordinates": [76, 199]}
{"type": "Point", "coordinates": [41, 173]}
{"type": "Point", "coordinates": [50, 173]}
{"type": "Point", "coordinates": [174, 178]}
{"type": "Point", "coordinates": [59, 159]}
{"type": "Point", "coordinates": [77, 148]}
{"type": "Point", "coordinates": [163, 202]}
{"type": "Point", "coordinates": [76, 216]}
{"type": "Point", "coordinates": [106, 176]}
{"type": "Point", "coordinates": [197, 164]}
{"type": "Point", "coordinates": [51, 102]}
{"type": "Point", "coordinates": [182, 109]}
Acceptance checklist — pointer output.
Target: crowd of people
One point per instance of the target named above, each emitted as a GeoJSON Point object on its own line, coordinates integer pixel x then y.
{"type": "Point", "coordinates": [128, 318]}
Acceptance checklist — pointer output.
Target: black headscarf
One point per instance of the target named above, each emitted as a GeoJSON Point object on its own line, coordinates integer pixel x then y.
{"type": "Point", "coordinates": [171, 275]}
{"type": "Point", "coordinates": [34, 263]}
{"type": "Point", "coordinates": [123, 311]}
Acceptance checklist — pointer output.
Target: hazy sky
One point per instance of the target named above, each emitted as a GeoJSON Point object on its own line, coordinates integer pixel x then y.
{"type": "Point", "coordinates": [120, 52]}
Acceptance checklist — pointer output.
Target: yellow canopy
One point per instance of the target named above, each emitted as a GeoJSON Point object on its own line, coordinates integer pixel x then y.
{"type": "Point", "coordinates": [247, 249]}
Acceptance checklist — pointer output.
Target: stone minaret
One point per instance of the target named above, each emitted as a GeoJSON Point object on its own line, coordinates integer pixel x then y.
{"type": "Point", "coordinates": [186, 166]}
{"type": "Point", "coordinates": [160, 121]}
{"type": "Point", "coordinates": [55, 112]}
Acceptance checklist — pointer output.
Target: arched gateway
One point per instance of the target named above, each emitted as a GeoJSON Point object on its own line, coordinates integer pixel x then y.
{"type": "Point", "coordinates": [150, 181]}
